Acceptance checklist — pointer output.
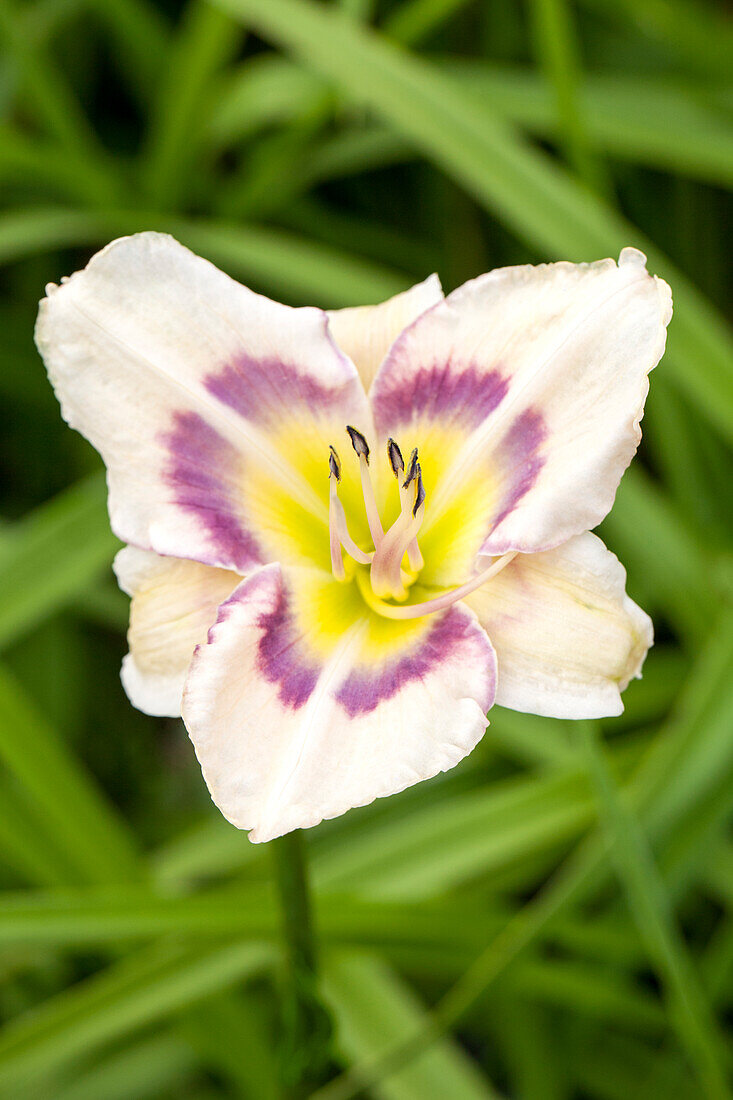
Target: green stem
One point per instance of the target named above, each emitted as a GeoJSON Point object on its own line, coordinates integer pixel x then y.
{"type": "Point", "coordinates": [650, 906]}
{"type": "Point", "coordinates": [558, 56]}
{"type": "Point", "coordinates": [306, 1025]}
{"type": "Point", "coordinates": [292, 884]}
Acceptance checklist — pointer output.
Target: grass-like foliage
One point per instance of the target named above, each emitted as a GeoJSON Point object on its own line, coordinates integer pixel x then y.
{"type": "Point", "coordinates": [553, 920]}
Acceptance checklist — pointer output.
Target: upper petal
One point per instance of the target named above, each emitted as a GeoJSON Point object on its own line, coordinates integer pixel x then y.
{"type": "Point", "coordinates": [174, 602]}
{"type": "Point", "coordinates": [366, 333]}
{"type": "Point", "coordinates": [202, 398]}
{"type": "Point", "coordinates": [567, 637]}
{"type": "Point", "coordinates": [303, 705]}
{"type": "Point", "coordinates": [530, 382]}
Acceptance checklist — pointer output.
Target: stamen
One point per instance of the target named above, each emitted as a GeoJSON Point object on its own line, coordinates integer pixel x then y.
{"type": "Point", "coordinates": [429, 607]}
{"type": "Point", "coordinates": [334, 476]}
{"type": "Point", "coordinates": [411, 469]}
{"type": "Point", "coordinates": [389, 579]}
{"type": "Point", "coordinates": [414, 556]}
{"type": "Point", "coordinates": [337, 526]}
{"type": "Point", "coordinates": [347, 542]}
{"type": "Point", "coordinates": [419, 493]}
{"type": "Point", "coordinates": [361, 447]}
{"type": "Point", "coordinates": [387, 576]}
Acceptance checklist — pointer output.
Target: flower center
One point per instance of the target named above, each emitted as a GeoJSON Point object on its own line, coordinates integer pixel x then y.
{"type": "Point", "coordinates": [396, 560]}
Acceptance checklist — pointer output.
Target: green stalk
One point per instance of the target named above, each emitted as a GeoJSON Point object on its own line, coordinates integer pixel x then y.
{"type": "Point", "coordinates": [292, 884]}
{"type": "Point", "coordinates": [650, 907]}
{"type": "Point", "coordinates": [558, 56]}
{"type": "Point", "coordinates": [306, 1025]}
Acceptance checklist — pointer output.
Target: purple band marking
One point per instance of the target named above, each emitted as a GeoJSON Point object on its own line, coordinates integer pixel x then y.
{"type": "Point", "coordinates": [278, 658]}
{"type": "Point", "coordinates": [364, 689]}
{"type": "Point", "coordinates": [202, 471]}
{"type": "Point", "coordinates": [259, 389]}
{"type": "Point", "coordinates": [520, 454]}
{"type": "Point", "coordinates": [443, 391]}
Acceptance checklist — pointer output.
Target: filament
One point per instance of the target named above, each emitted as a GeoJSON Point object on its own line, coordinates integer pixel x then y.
{"type": "Point", "coordinates": [370, 503]}
{"type": "Point", "coordinates": [387, 576]}
{"type": "Point", "coordinates": [338, 530]}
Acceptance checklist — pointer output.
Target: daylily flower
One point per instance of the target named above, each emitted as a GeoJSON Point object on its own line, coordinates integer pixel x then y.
{"type": "Point", "coordinates": [349, 534]}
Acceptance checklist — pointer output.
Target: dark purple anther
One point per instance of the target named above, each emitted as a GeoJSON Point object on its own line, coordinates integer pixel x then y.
{"type": "Point", "coordinates": [358, 442]}
{"type": "Point", "coordinates": [334, 463]}
{"type": "Point", "coordinates": [396, 460]}
{"type": "Point", "coordinates": [420, 492]}
{"type": "Point", "coordinates": [412, 469]}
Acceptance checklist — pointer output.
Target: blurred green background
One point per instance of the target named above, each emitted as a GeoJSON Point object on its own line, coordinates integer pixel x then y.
{"type": "Point", "coordinates": [565, 896]}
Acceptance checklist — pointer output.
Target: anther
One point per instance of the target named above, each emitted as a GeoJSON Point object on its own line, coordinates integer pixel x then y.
{"type": "Point", "coordinates": [396, 460]}
{"type": "Point", "coordinates": [334, 463]}
{"type": "Point", "coordinates": [358, 442]}
{"type": "Point", "coordinates": [412, 469]}
{"type": "Point", "coordinates": [419, 493]}
{"type": "Point", "coordinates": [414, 555]}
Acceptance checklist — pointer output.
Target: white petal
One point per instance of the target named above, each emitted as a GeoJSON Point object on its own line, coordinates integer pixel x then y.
{"type": "Point", "coordinates": [289, 731]}
{"type": "Point", "coordinates": [366, 333]}
{"type": "Point", "coordinates": [191, 387]}
{"type": "Point", "coordinates": [537, 378]}
{"type": "Point", "coordinates": [174, 602]}
{"type": "Point", "coordinates": [567, 637]}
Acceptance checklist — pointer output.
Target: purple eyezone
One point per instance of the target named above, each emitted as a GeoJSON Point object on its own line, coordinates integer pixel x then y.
{"type": "Point", "coordinates": [203, 471]}
{"type": "Point", "coordinates": [365, 688]}
{"type": "Point", "coordinates": [281, 661]}
{"type": "Point", "coordinates": [443, 391]}
{"type": "Point", "coordinates": [258, 389]}
{"type": "Point", "coordinates": [278, 658]}
{"type": "Point", "coordinates": [520, 454]}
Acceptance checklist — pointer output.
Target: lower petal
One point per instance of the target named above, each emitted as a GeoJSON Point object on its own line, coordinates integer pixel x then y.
{"type": "Point", "coordinates": [303, 704]}
{"type": "Point", "coordinates": [174, 602]}
{"type": "Point", "coordinates": [567, 637]}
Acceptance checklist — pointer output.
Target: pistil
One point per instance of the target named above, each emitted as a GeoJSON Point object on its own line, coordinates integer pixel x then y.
{"type": "Point", "coordinates": [439, 603]}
